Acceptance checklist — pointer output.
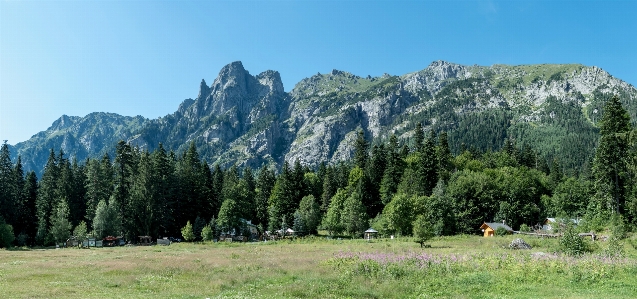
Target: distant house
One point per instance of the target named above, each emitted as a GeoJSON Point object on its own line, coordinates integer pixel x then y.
{"type": "Point", "coordinates": [550, 222]}
{"type": "Point", "coordinates": [489, 228]}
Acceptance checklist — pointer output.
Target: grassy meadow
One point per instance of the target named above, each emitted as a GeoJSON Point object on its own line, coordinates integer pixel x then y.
{"type": "Point", "coordinates": [454, 267]}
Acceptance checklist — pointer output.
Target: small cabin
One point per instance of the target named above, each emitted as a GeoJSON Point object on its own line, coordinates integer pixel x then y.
{"type": "Point", "coordinates": [488, 228]}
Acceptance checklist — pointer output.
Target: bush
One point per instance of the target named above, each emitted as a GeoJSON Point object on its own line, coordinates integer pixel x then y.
{"type": "Point", "coordinates": [525, 228]}
{"type": "Point", "coordinates": [572, 244]}
{"type": "Point", "coordinates": [187, 232]}
{"type": "Point", "coordinates": [6, 234]}
{"type": "Point", "coordinates": [207, 233]}
{"type": "Point", "coordinates": [501, 231]}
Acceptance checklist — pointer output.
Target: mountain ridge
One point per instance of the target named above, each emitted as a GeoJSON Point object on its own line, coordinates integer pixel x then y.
{"type": "Point", "coordinates": [250, 120]}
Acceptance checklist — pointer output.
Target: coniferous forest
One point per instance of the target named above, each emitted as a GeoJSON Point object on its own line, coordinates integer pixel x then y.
{"type": "Point", "coordinates": [391, 186]}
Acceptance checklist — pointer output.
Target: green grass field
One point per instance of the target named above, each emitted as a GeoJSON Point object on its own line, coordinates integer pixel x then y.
{"type": "Point", "coordinates": [454, 267]}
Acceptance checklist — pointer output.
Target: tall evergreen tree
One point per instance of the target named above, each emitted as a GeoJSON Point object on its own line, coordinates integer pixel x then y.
{"type": "Point", "coordinates": [610, 163]}
{"type": "Point", "coordinates": [393, 171]}
{"type": "Point", "coordinates": [217, 187]}
{"type": "Point", "coordinates": [98, 184]}
{"type": "Point", "coordinates": [282, 199]}
{"type": "Point", "coordinates": [330, 186]}
{"type": "Point", "coordinates": [46, 199]}
{"type": "Point", "coordinates": [7, 186]}
{"type": "Point", "coordinates": [264, 184]}
{"type": "Point", "coordinates": [144, 198]}
{"type": "Point", "coordinates": [444, 157]}
{"type": "Point", "coordinates": [164, 167]}
{"type": "Point", "coordinates": [429, 164]}
{"type": "Point", "coordinates": [77, 196]}
{"type": "Point", "coordinates": [30, 219]}
{"type": "Point", "coordinates": [375, 171]}
{"type": "Point", "coordinates": [124, 169]}
{"type": "Point", "coordinates": [360, 150]}
{"type": "Point", "coordinates": [419, 138]}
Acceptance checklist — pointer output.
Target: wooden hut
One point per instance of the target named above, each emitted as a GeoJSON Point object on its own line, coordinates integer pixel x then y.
{"type": "Point", "coordinates": [370, 234]}
{"type": "Point", "coordinates": [489, 228]}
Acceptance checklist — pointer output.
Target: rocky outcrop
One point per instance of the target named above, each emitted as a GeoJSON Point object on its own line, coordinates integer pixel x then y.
{"type": "Point", "coordinates": [250, 120]}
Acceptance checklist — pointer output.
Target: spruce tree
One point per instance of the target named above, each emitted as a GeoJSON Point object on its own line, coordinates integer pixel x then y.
{"type": "Point", "coordinates": [419, 138]}
{"type": "Point", "coordinates": [46, 199]}
{"type": "Point", "coordinates": [360, 150]}
{"type": "Point", "coordinates": [29, 205]}
{"type": "Point", "coordinates": [429, 164]}
{"type": "Point", "coordinates": [444, 157]}
{"type": "Point", "coordinates": [393, 171]}
{"type": "Point", "coordinates": [164, 167]}
{"type": "Point", "coordinates": [282, 199]}
{"type": "Point", "coordinates": [21, 214]}
{"type": "Point", "coordinates": [610, 163]}
{"type": "Point", "coordinates": [7, 186]}
{"type": "Point", "coordinates": [264, 184]}
{"type": "Point", "coordinates": [124, 169]}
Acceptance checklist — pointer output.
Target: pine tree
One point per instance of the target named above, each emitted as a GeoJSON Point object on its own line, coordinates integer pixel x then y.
{"type": "Point", "coordinates": [21, 214]}
{"type": "Point", "coordinates": [330, 186]}
{"type": "Point", "coordinates": [264, 184]}
{"type": "Point", "coordinates": [98, 184]}
{"type": "Point", "coordinates": [164, 167]}
{"type": "Point", "coordinates": [419, 138]}
{"type": "Point", "coordinates": [143, 198]}
{"type": "Point", "coordinates": [282, 199]}
{"type": "Point", "coordinates": [444, 157]}
{"type": "Point", "coordinates": [7, 186]}
{"type": "Point", "coordinates": [610, 164]}
{"type": "Point", "coordinates": [360, 150]}
{"type": "Point", "coordinates": [46, 199]}
{"type": "Point", "coordinates": [124, 170]}
{"type": "Point", "coordinates": [77, 196]}
{"type": "Point", "coordinates": [393, 172]}
{"type": "Point", "coordinates": [429, 164]}
{"type": "Point", "coordinates": [375, 171]}
{"type": "Point", "coordinates": [217, 188]}
{"type": "Point", "coordinates": [29, 204]}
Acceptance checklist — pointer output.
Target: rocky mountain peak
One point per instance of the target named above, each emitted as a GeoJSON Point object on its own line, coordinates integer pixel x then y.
{"type": "Point", "coordinates": [232, 76]}
{"type": "Point", "coordinates": [442, 70]}
{"type": "Point", "coordinates": [204, 90]}
{"type": "Point", "coordinates": [64, 121]}
{"type": "Point", "coordinates": [272, 79]}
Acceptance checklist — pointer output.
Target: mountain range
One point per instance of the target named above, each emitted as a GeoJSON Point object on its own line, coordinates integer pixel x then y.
{"type": "Point", "coordinates": [250, 120]}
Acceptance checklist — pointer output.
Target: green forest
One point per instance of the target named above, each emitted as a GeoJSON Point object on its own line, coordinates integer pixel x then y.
{"type": "Point", "coordinates": [396, 188]}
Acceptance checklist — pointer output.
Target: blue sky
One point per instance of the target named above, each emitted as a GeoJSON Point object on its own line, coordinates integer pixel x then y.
{"type": "Point", "coordinates": [145, 57]}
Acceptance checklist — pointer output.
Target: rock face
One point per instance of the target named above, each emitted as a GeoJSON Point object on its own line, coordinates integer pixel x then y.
{"type": "Point", "coordinates": [79, 137]}
{"type": "Point", "coordinates": [250, 120]}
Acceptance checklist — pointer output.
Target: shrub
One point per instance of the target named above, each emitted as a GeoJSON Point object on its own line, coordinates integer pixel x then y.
{"type": "Point", "coordinates": [6, 234]}
{"type": "Point", "coordinates": [525, 228]}
{"type": "Point", "coordinates": [187, 232]}
{"type": "Point", "coordinates": [501, 231]}
{"type": "Point", "coordinates": [572, 244]}
{"type": "Point", "coordinates": [207, 233]}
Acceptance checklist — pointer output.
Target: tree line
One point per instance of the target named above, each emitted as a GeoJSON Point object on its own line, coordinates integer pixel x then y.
{"type": "Point", "coordinates": [395, 187]}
